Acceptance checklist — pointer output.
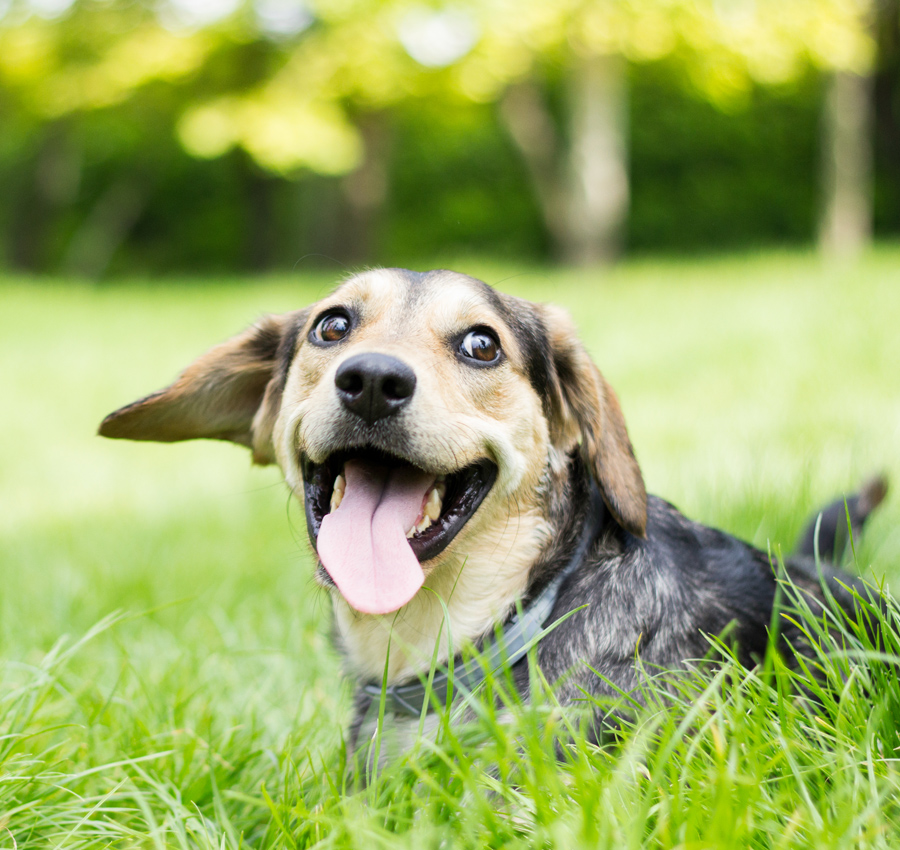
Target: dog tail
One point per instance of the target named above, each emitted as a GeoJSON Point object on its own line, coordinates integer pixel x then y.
{"type": "Point", "coordinates": [832, 531]}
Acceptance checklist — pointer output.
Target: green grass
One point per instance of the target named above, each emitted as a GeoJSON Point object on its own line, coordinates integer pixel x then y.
{"type": "Point", "coordinates": [166, 678]}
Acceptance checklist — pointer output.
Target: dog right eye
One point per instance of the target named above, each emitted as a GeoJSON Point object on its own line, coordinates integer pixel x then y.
{"type": "Point", "coordinates": [332, 327]}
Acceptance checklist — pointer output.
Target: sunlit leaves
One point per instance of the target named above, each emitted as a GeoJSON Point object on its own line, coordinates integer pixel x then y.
{"type": "Point", "coordinates": [334, 58]}
{"type": "Point", "coordinates": [728, 45]}
{"type": "Point", "coordinates": [132, 61]}
{"type": "Point", "coordinates": [281, 132]}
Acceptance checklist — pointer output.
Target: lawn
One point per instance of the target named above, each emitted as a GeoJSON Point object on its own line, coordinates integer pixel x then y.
{"type": "Point", "coordinates": [166, 678]}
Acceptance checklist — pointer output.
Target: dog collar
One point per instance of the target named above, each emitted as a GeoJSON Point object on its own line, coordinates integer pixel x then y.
{"type": "Point", "coordinates": [513, 643]}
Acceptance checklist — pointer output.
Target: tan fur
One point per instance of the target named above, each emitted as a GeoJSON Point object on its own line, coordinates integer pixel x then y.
{"type": "Point", "coordinates": [457, 416]}
{"type": "Point", "coordinates": [217, 396]}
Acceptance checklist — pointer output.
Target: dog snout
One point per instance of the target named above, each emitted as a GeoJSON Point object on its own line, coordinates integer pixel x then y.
{"type": "Point", "coordinates": [374, 386]}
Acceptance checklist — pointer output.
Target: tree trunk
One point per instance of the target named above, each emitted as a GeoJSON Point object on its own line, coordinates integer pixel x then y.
{"type": "Point", "coordinates": [846, 225]}
{"type": "Point", "coordinates": [597, 195]}
{"type": "Point", "coordinates": [582, 190]}
{"type": "Point", "coordinates": [531, 127]}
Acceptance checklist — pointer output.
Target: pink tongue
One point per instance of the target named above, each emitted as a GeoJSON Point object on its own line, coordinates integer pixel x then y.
{"type": "Point", "coordinates": [363, 543]}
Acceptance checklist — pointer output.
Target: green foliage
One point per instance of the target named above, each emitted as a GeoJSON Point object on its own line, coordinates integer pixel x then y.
{"type": "Point", "coordinates": [167, 679]}
{"type": "Point", "coordinates": [706, 177]}
{"type": "Point", "coordinates": [457, 185]}
{"type": "Point", "coordinates": [135, 141]}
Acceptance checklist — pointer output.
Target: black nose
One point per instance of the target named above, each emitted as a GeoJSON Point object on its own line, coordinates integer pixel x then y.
{"type": "Point", "coordinates": [374, 385]}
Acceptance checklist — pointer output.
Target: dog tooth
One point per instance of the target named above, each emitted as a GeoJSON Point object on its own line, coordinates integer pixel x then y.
{"type": "Point", "coordinates": [433, 505]}
{"type": "Point", "coordinates": [441, 487]}
{"type": "Point", "coordinates": [337, 495]}
{"type": "Point", "coordinates": [419, 527]}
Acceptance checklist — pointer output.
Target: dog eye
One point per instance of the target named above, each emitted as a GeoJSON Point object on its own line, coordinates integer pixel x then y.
{"type": "Point", "coordinates": [332, 327]}
{"type": "Point", "coordinates": [481, 345]}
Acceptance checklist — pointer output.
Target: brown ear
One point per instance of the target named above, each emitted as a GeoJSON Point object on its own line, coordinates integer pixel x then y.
{"type": "Point", "coordinates": [585, 411]}
{"type": "Point", "coordinates": [232, 392]}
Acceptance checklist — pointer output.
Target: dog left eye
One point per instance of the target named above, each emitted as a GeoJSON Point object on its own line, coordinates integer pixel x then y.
{"type": "Point", "coordinates": [481, 345]}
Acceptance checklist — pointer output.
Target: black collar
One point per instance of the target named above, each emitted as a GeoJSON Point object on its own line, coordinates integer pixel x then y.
{"type": "Point", "coordinates": [518, 635]}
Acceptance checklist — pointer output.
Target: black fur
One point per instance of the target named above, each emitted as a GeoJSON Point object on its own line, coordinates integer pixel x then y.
{"type": "Point", "coordinates": [833, 533]}
{"type": "Point", "coordinates": [659, 599]}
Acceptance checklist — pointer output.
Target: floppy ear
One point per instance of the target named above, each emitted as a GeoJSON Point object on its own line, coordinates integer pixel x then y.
{"type": "Point", "coordinates": [584, 410]}
{"type": "Point", "coordinates": [233, 392]}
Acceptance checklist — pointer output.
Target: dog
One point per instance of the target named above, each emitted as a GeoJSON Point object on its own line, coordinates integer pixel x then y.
{"type": "Point", "coordinates": [465, 469]}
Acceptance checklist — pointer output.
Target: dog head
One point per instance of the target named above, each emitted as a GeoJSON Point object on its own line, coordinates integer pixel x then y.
{"type": "Point", "coordinates": [412, 414]}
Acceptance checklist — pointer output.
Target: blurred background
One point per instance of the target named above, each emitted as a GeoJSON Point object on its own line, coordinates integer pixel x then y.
{"type": "Point", "coordinates": [146, 136]}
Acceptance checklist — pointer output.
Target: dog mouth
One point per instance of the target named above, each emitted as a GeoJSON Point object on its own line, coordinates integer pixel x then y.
{"type": "Point", "coordinates": [374, 517]}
